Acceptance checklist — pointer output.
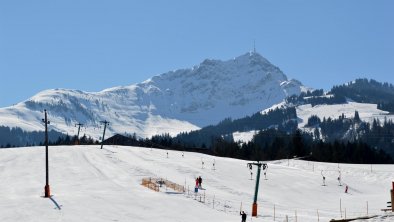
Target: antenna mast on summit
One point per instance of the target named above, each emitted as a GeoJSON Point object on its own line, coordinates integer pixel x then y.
{"type": "Point", "coordinates": [254, 46]}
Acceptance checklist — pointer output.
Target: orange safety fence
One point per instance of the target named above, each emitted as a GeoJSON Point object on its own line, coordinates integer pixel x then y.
{"type": "Point", "coordinates": [149, 183]}
{"type": "Point", "coordinates": [156, 183]}
{"type": "Point", "coordinates": [174, 186]}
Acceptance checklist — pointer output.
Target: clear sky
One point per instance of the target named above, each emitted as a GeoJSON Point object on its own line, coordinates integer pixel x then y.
{"type": "Point", "coordinates": [93, 45]}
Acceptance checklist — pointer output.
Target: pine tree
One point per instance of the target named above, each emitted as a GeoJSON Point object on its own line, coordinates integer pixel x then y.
{"type": "Point", "coordinates": [356, 116]}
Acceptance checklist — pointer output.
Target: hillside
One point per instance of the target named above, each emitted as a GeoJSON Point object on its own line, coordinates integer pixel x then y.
{"type": "Point", "coordinates": [89, 184]}
{"type": "Point", "coordinates": [368, 91]}
{"type": "Point", "coordinates": [368, 112]}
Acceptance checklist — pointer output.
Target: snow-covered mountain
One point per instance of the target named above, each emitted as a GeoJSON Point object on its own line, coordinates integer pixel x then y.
{"type": "Point", "coordinates": [176, 101]}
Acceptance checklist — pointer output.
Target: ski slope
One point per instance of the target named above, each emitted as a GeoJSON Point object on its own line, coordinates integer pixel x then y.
{"type": "Point", "coordinates": [368, 112]}
{"type": "Point", "coordinates": [90, 184]}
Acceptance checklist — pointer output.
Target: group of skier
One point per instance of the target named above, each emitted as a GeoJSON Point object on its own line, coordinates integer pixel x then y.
{"type": "Point", "coordinates": [198, 182]}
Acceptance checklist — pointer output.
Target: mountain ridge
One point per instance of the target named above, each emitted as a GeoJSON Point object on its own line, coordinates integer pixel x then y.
{"type": "Point", "coordinates": [172, 102]}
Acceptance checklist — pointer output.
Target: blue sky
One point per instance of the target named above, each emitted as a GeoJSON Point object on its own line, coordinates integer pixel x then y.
{"type": "Point", "coordinates": [93, 45]}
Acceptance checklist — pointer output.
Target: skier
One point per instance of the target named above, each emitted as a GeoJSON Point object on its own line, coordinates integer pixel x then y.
{"type": "Point", "coordinates": [196, 187]}
{"type": "Point", "coordinates": [243, 215]}
{"type": "Point", "coordinates": [339, 178]}
{"type": "Point", "coordinates": [199, 182]}
{"type": "Point", "coordinates": [324, 178]}
{"type": "Point", "coordinates": [346, 188]}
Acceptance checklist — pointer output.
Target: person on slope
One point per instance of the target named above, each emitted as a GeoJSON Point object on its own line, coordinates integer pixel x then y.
{"type": "Point", "coordinates": [199, 182]}
{"type": "Point", "coordinates": [196, 187]}
{"type": "Point", "coordinates": [243, 216]}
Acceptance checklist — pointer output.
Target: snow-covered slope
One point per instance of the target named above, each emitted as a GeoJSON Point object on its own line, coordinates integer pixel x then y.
{"type": "Point", "coordinates": [180, 100]}
{"type": "Point", "coordinates": [367, 112]}
{"type": "Point", "coordinates": [92, 184]}
{"type": "Point", "coordinates": [244, 136]}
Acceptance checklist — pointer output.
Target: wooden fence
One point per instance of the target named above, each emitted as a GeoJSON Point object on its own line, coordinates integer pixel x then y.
{"type": "Point", "coordinates": [151, 184]}
{"type": "Point", "coordinates": [156, 183]}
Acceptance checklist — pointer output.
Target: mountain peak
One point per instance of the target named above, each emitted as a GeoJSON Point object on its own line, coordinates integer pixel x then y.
{"type": "Point", "coordinates": [242, 85]}
{"type": "Point", "coordinates": [247, 58]}
{"type": "Point", "coordinates": [252, 56]}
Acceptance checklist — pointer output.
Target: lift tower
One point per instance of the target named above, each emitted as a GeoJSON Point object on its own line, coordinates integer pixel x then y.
{"type": "Point", "coordinates": [259, 165]}
{"type": "Point", "coordinates": [46, 189]}
{"type": "Point", "coordinates": [106, 123]}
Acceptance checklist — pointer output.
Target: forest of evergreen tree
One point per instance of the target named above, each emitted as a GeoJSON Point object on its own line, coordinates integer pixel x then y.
{"type": "Point", "coordinates": [270, 144]}
{"type": "Point", "coordinates": [367, 91]}
{"type": "Point", "coordinates": [16, 137]}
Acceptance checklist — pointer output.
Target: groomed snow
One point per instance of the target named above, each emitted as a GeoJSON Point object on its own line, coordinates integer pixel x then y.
{"type": "Point", "coordinates": [90, 184]}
